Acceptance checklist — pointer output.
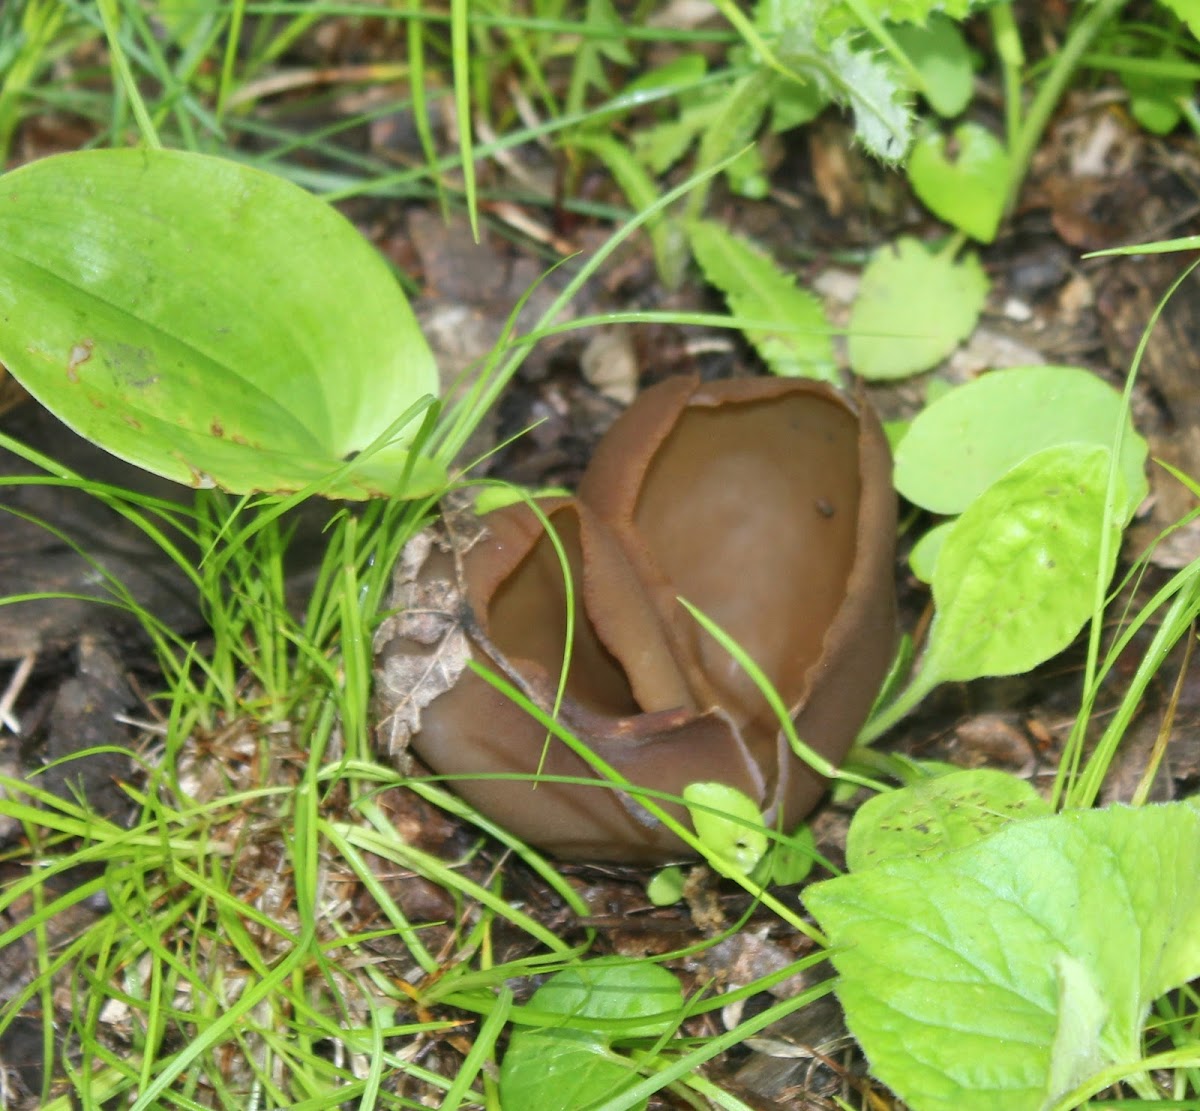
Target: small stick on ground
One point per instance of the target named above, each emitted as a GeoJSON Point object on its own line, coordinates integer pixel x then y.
{"type": "Point", "coordinates": [12, 692]}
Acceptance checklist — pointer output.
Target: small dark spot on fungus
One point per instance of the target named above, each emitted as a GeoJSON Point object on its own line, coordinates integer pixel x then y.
{"type": "Point", "coordinates": [80, 353]}
{"type": "Point", "coordinates": [699, 490]}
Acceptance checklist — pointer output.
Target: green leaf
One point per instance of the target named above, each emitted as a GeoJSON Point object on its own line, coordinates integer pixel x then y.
{"type": "Point", "coordinates": [794, 104]}
{"type": "Point", "coordinates": [969, 437]}
{"type": "Point", "coordinates": [666, 236]}
{"type": "Point", "coordinates": [209, 322]}
{"type": "Point", "coordinates": [1154, 98]}
{"type": "Point", "coordinates": [967, 189]}
{"type": "Point", "coordinates": [636, 999]}
{"type": "Point", "coordinates": [666, 887]}
{"type": "Point", "coordinates": [843, 69]}
{"type": "Point", "coordinates": [728, 823]}
{"type": "Point", "coordinates": [935, 816]}
{"type": "Point", "coordinates": [739, 116]}
{"type": "Point", "coordinates": [566, 1068]}
{"type": "Point", "coordinates": [942, 57]}
{"type": "Point", "coordinates": [660, 146]}
{"type": "Point", "coordinates": [678, 77]}
{"type": "Point", "coordinates": [1015, 579]}
{"type": "Point", "coordinates": [913, 309]}
{"type": "Point", "coordinates": [497, 496]}
{"type": "Point", "coordinates": [758, 290]}
{"type": "Point", "coordinates": [924, 555]}
{"type": "Point", "coordinates": [1188, 11]}
{"type": "Point", "coordinates": [788, 861]}
{"type": "Point", "coordinates": [562, 1070]}
{"type": "Point", "coordinates": [1002, 975]}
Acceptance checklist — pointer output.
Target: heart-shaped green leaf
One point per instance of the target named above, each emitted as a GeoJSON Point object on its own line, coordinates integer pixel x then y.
{"type": "Point", "coordinates": [212, 323]}
{"type": "Point", "coordinates": [967, 188]}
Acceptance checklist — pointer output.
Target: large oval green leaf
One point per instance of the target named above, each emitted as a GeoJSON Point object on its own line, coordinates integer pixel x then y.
{"type": "Point", "coordinates": [969, 437]}
{"type": "Point", "coordinates": [210, 322]}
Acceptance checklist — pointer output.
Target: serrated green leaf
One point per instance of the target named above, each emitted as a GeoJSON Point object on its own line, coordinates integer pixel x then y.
{"type": "Point", "coordinates": [942, 57]}
{"type": "Point", "coordinates": [968, 189]}
{"type": "Point", "coordinates": [735, 124]}
{"type": "Point", "coordinates": [913, 309]}
{"type": "Point", "coordinates": [935, 816]}
{"type": "Point", "coordinates": [843, 69]}
{"type": "Point", "coordinates": [666, 236]}
{"type": "Point", "coordinates": [1015, 579]}
{"type": "Point", "coordinates": [1004, 974]}
{"type": "Point", "coordinates": [660, 146]}
{"type": "Point", "coordinates": [877, 97]}
{"type": "Point", "coordinates": [209, 322]}
{"type": "Point", "coordinates": [756, 289]}
{"type": "Point", "coordinates": [969, 437]}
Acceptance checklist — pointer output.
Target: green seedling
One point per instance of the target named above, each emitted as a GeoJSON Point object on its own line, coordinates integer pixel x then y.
{"type": "Point", "coordinates": [1025, 456]}
{"type": "Point", "coordinates": [733, 836]}
{"type": "Point", "coordinates": [1157, 100]}
{"type": "Point", "coordinates": [179, 320]}
{"type": "Point", "coordinates": [666, 887]}
{"type": "Point", "coordinates": [789, 860]}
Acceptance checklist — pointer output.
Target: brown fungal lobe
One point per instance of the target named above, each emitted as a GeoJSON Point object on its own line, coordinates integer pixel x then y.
{"type": "Point", "coordinates": [766, 503]}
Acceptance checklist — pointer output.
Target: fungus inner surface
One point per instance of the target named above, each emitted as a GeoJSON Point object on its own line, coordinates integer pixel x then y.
{"type": "Point", "coordinates": [527, 619]}
{"type": "Point", "coordinates": [751, 510]}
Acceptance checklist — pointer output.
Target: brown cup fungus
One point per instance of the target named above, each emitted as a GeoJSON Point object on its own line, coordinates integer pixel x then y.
{"type": "Point", "coordinates": [768, 505]}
